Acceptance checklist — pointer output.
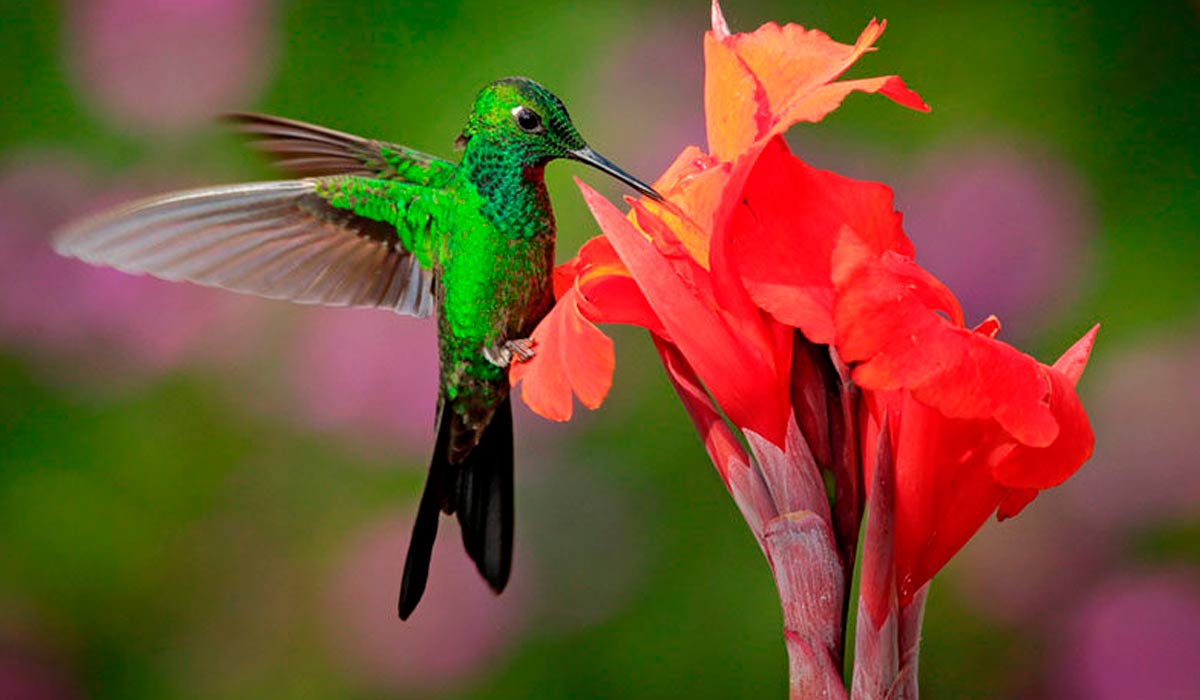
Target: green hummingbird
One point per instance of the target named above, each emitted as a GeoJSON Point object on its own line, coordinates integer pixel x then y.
{"type": "Point", "coordinates": [374, 224]}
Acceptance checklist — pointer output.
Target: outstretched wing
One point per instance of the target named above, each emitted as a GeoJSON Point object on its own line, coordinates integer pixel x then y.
{"type": "Point", "coordinates": [306, 149]}
{"type": "Point", "coordinates": [312, 241]}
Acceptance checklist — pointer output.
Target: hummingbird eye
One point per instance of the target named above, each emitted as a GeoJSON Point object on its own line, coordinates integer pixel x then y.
{"type": "Point", "coordinates": [528, 120]}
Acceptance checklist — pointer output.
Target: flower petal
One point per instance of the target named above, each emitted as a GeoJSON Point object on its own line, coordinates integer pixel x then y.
{"type": "Point", "coordinates": [1075, 359]}
{"type": "Point", "coordinates": [1014, 502]}
{"type": "Point", "coordinates": [944, 487]}
{"type": "Point", "coordinates": [607, 291]}
{"type": "Point", "coordinates": [781, 239]}
{"type": "Point", "coordinates": [888, 321]}
{"type": "Point", "coordinates": [572, 357]}
{"type": "Point", "coordinates": [813, 106]}
{"type": "Point", "coordinates": [735, 112]}
{"type": "Point", "coordinates": [759, 84]}
{"type": "Point", "coordinates": [1043, 467]}
{"type": "Point", "coordinates": [739, 370]}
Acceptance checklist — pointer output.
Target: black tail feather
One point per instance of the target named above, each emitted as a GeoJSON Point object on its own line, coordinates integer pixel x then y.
{"type": "Point", "coordinates": [420, 546]}
{"type": "Point", "coordinates": [485, 500]}
{"type": "Point", "coordinates": [480, 490]}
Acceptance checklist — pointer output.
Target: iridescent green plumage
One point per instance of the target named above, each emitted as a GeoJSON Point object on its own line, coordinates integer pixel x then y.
{"type": "Point", "coordinates": [376, 224]}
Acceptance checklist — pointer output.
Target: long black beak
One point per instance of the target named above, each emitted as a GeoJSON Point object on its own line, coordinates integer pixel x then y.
{"type": "Point", "coordinates": [599, 162]}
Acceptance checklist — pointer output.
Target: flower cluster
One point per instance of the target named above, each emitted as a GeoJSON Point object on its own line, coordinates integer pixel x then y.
{"type": "Point", "coordinates": [786, 299]}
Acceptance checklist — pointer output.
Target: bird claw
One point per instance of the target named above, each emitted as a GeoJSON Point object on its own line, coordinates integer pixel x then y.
{"type": "Point", "coordinates": [520, 350]}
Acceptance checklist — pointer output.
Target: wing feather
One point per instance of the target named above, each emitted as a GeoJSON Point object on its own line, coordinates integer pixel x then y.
{"type": "Point", "coordinates": [308, 149]}
{"type": "Point", "coordinates": [274, 239]}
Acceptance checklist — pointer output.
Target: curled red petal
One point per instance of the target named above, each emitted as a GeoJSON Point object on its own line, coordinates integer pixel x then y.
{"type": "Point", "coordinates": [605, 290]}
{"type": "Point", "coordinates": [1014, 502]}
{"type": "Point", "coordinates": [990, 327]}
{"type": "Point", "coordinates": [888, 322]}
{"type": "Point", "coordinates": [895, 90]}
{"type": "Point", "coordinates": [618, 299]}
{"type": "Point", "coordinates": [1043, 467]}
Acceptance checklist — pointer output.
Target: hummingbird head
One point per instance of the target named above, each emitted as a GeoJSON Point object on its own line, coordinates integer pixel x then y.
{"type": "Point", "coordinates": [518, 116]}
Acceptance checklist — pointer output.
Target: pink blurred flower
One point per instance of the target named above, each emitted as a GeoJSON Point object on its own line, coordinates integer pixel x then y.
{"type": "Point", "coordinates": [371, 376]}
{"type": "Point", "coordinates": [649, 90]}
{"type": "Point", "coordinates": [1145, 469]}
{"type": "Point", "coordinates": [169, 64]}
{"type": "Point", "coordinates": [24, 676]}
{"type": "Point", "coordinates": [1136, 638]}
{"type": "Point", "coordinates": [97, 318]}
{"type": "Point", "coordinates": [461, 631]}
{"type": "Point", "coordinates": [368, 373]}
{"type": "Point", "coordinates": [1003, 228]}
{"type": "Point", "coordinates": [1025, 569]}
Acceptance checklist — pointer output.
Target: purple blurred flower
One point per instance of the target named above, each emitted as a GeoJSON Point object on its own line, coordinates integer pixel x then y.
{"type": "Point", "coordinates": [368, 373]}
{"type": "Point", "coordinates": [169, 64]}
{"type": "Point", "coordinates": [460, 631]}
{"type": "Point", "coordinates": [650, 90]}
{"type": "Point", "coordinates": [1026, 568]}
{"type": "Point", "coordinates": [1137, 638]}
{"type": "Point", "coordinates": [1145, 470]}
{"type": "Point", "coordinates": [97, 317]}
{"type": "Point", "coordinates": [1003, 228]}
{"type": "Point", "coordinates": [372, 376]}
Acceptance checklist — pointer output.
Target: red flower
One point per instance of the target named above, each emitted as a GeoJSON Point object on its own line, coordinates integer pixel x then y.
{"type": "Point", "coordinates": [685, 292]}
{"type": "Point", "coordinates": [786, 299]}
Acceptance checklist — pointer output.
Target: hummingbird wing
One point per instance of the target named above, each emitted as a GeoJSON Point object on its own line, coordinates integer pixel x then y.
{"type": "Point", "coordinates": [281, 240]}
{"type": "Point", "coordinates": [310, 150]}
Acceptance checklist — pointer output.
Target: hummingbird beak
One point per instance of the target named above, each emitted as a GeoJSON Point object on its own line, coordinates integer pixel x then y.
{"type": "Point", "coordinates": [604, 165]}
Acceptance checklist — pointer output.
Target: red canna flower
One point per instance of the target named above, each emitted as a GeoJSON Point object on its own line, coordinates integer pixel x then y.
{"type": "Point", "coordinates": [754, 90]}
{"type": "Point", "coordinates": [977, 427]}
{"type": "Point", "coordinates": [785, 299]}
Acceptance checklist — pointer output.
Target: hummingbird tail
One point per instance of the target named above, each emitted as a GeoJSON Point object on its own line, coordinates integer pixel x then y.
{"type": "Point", "coordinates": [479, 489]}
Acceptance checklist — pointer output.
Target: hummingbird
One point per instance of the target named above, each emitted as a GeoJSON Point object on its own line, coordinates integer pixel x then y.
{"type": "Point", "coordinates": [368, 223]}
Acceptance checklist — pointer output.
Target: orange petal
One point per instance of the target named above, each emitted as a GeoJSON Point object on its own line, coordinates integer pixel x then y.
{"type": "Point", "coordinates": [759, 84]}
{"type": "Point", "coordinates": [813, 106]}
{"type": "Point", "coordinates": [572, 357]}
{"type": "Point", "coordinates": [734, 112]}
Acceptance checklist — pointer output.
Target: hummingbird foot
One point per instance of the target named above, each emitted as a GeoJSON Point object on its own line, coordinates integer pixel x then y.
{"type": "Point", "coordinates": [520, 350]}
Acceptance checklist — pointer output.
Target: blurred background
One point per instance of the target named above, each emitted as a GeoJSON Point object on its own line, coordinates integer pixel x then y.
{"type": "Point", "coordinates": [208, 496]}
